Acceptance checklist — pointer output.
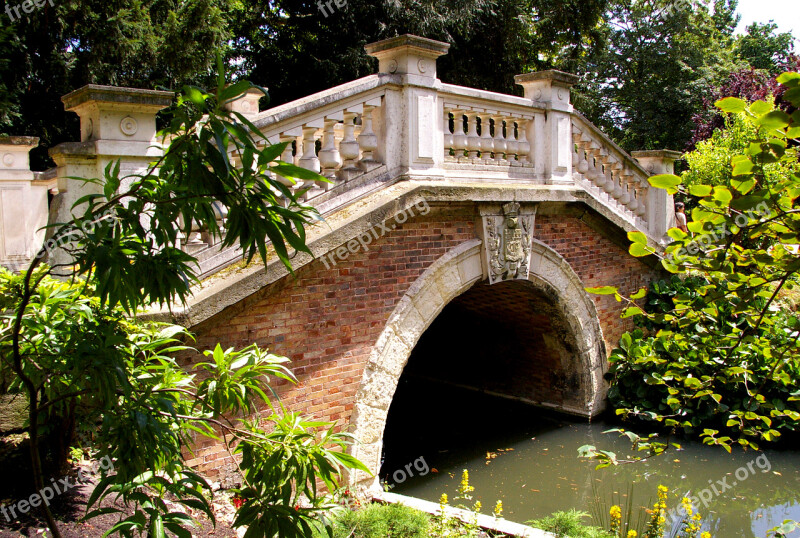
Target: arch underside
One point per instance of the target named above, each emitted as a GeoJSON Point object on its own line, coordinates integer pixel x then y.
{"type": "Point", "coordinates": [567, 325]}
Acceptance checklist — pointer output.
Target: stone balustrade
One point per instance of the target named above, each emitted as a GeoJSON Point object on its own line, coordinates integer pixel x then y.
{"type": "Point", "coordinates": [606, 172]}
{"type": "Point", "coordinates": [401, 123]}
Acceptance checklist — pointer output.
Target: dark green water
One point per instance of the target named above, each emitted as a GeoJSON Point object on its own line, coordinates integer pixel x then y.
{"type": "Point", "coordinates": [529, 459]}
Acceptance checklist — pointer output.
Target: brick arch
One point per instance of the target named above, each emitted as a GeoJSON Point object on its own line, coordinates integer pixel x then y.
{"type": "Point", "coordinates": [447, 278]}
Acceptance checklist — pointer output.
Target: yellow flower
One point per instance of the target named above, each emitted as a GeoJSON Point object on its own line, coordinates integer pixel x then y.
{"type": "Point", "coordinates": [705, 535]}
{"type": "Point", "coordinates": [465, 487]}
{"type": "Point", "coordinates": [477, 507]}
{"type": "Point", "coordinates": [498, 509]}
{"type": "Point", "coordinates": [615, 512]}
{"type": "Point", "coordinates": [632, 534]}
{"type": "Point", "coordinates": [443, 499]}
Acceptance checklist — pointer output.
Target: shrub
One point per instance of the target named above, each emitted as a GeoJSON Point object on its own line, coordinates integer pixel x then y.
{"type": "Point", "coordinates": [569, 525]}
{"type": "Point", "coordinates": [380, 521]}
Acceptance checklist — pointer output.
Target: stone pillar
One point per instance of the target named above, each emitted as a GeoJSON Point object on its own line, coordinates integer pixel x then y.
{"type": "Point", "coordinates": [411, 124]}
{"type": "Point", "coordinates": [23, 203]}
{"type": "Point", "coordinates": [247, 105]}
{"type": "Point", "coordinates": [116, 123]}
{"type": "Point", "coordinates": [552, 135]}
{"type": "Point", "coordinates": [660, 205]}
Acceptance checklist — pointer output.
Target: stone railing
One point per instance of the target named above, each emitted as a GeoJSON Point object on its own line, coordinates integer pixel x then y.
{"type": "Point", "coordinates": [345, 129]}
{"type": "Point", "coordinates": [401, 123]}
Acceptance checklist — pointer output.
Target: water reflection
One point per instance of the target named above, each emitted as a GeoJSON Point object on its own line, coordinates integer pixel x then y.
{"type": "Point", "coordinates": [529, 460]}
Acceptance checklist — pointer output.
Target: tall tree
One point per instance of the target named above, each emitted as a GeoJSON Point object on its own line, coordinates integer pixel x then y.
{"type": "Point", "coordinates": [299, 47]}
{"type": "Point", "coordinates": [644, 87]}
{"type": "Point", "coordinates": [58, 48]}
{"type": "Point", "coordinates": [763, 48]}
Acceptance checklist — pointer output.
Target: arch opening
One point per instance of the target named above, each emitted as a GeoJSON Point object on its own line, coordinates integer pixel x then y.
{"type": "Point", "coordinates": [481, 374]}
{"type": "Point", "coordinates": [534, 342]}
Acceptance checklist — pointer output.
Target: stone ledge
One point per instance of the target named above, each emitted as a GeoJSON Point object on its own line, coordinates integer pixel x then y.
{"type": "Point", "coordinates": [19, 141]}
{"type": "Point", "coordinates": [157, 99]}
{"type": "Point", "coordinates": [430, 47]}
{"type": "Point", "coordinates": [550, 74]}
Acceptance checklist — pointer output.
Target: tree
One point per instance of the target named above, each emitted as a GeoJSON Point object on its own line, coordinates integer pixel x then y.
{"type": "Point", "coordinates": [644, 87]}
{"type": "Point", "coordinates": [77, 357]}
{"type": "Point", "coordinates": [302, 48]}
{"type": "Point", "coordinates": [65, 45]}
{"type": "Point", "coordinates": [748, 84]}
{"type": "Point", "coordinates": [762, 48]}
{"type": "Point", "coordinates": [721, 359]}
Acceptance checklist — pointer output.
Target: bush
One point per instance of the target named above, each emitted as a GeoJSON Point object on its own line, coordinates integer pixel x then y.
{"type": "Point", "coordinates": [569, 525]}
{"type": "Point", "coordinates": [380, 521]}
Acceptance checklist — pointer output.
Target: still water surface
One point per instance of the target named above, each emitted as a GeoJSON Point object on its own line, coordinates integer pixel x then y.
{"type": "Point", "coordinates": [529, 460]}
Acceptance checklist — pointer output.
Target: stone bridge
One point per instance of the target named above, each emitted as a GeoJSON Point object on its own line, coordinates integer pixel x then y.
{"type": "Point", "coordinates": [459, 220]}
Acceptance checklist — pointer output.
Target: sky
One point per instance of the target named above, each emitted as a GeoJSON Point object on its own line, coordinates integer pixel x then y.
{"type": "Point", "coordinates": [785, 13]}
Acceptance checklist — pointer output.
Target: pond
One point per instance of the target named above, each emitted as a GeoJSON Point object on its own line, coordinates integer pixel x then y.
{"type": "Point", "coordinates": [529, 458]}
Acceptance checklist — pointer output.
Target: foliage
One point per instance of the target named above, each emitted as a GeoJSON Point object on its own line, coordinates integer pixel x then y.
{"type": "Point", "coordinates": [64, 45]}
{"type": "Point", "coordinates": [82, 363]}
{"type": "Point", "coordinates": [710, 162]}
{"type": "Point", "coordinates": [276, 40]}
{"type": "Point", "coordinates": [445, 524]}
{"type": "Point", "coordinates": [294, 45]}
{"type": "Point", "coordinates": [94, 366]}
{"type": "Point", "coordinates": [569, 524]}
{"type": "Point", "coordinates": [765, 49]}
{"type": "Point", "coordinates": [726, 365]}
{"type": "Point", "coordinates": [650, 523]}
{"type": "Point", "coordinates": [748, 84]}
{"type": "Point", "coordinates": [379, 521]}
{"type": "Point", "coordinates": [645, 85]}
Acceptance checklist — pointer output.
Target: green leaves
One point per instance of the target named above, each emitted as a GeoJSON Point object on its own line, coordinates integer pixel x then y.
{"type": "Point", "coordinates": [731, 105]}
{"type": "Point", "coordinates": [665, 181]}
{"type": "Point", "coordinates": [137, 257]}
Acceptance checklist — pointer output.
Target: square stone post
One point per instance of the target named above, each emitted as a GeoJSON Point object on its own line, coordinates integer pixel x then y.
{"type": "Point", "coordinates": [411, 124]}
{"type": "Point", "coordinates": [246, 105]}
{"type": "Point", "coordinates": [551, 136]}
{"type": "Point", "coordinates": [23, 203]}
{"type": "Point", "coordinates": [116, 123]}
{"type": "Point", "coordinates": [660, 205]}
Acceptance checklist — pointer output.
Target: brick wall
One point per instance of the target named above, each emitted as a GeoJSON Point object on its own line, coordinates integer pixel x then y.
{"type": "Point", "coordinates": [327, 320]}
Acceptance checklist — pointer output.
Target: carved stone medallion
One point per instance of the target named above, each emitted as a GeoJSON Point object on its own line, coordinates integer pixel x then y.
{"type": "Point", "coordinates": [507, 242]}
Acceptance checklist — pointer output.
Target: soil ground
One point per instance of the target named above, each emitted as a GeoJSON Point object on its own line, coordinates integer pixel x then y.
{"type": "Point", "coordinates": [70, 506]}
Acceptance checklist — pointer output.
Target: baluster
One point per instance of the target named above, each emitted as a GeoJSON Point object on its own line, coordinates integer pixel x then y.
{"type": "Point", "coordinates": [448, 134]}
{"type": "Point", "coordinates": [583, 149]}
{"type": "Point", "coordinates": [512, 145]}
{"type": "Point", "coordinates": [524, 148]}
{"type": "Point", "coordinates": [329, 157]}
{"type": "Point", "coordinates": [629, 199]}
{"type": "Point", "coordinates": [367, 140]}
{"type": "Point", "coordinates": [473, 140]}
{"type": "Point", "coordinates": [500, 145]}
{"type": "Point", "coordinates": [619, 189]}
{"type": "Point", "coordinates": [593, 171]}
{"type": "Point", "coordinates": [288, 157]}
{"type": "Point", "coordinates": [487, 144]}
{"type": "Point", "coordinates": [348, 148]}
{"type": "Point", "coordinates": [459, 136]}
{"type": "Point", "coordinates": [641, 198]}
{"type": "Point", "coordinates": [309, 159]}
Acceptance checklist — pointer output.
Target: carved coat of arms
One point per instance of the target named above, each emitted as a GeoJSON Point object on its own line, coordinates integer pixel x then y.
{"type": "Point", "coordinates": [508, 243]}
